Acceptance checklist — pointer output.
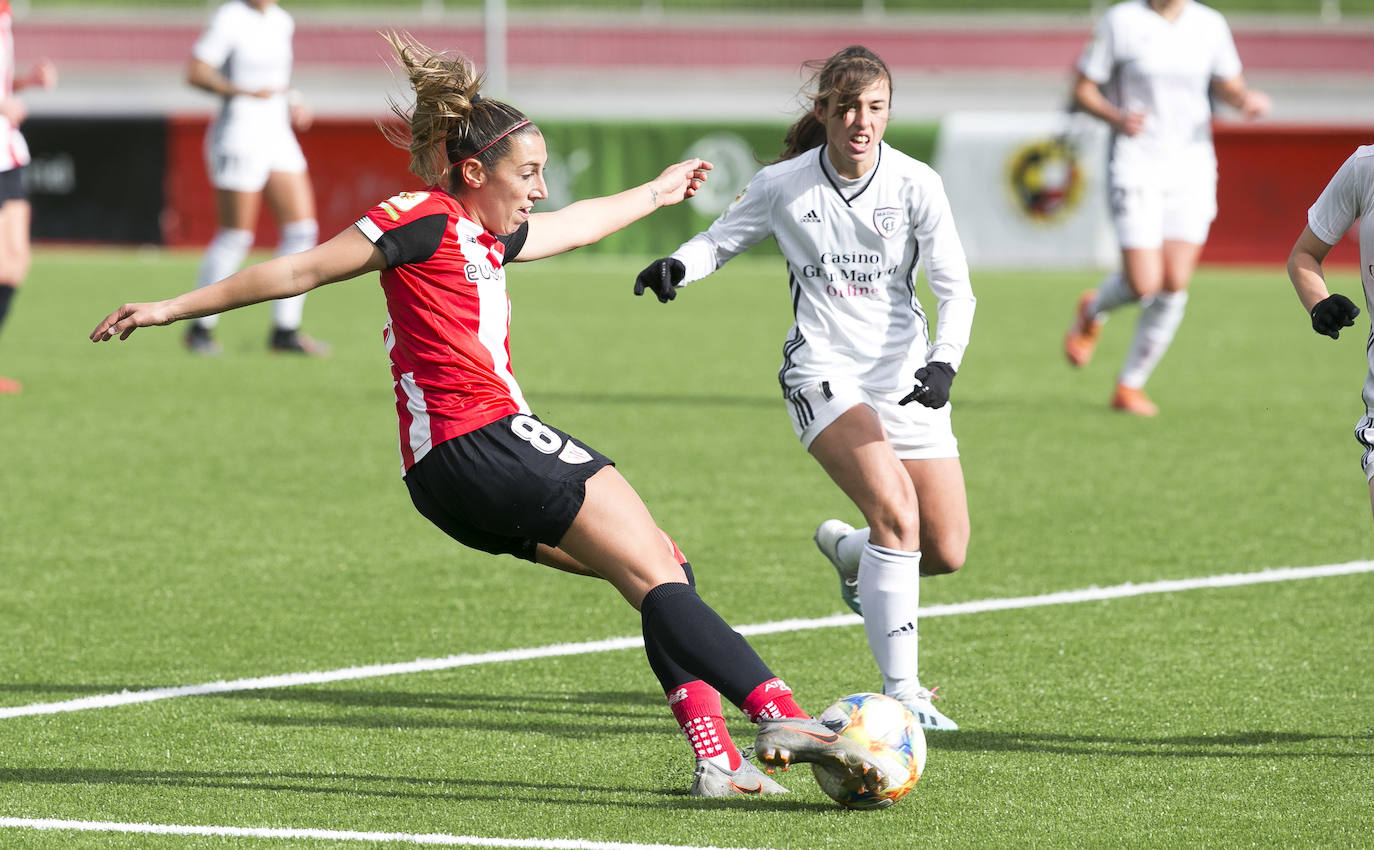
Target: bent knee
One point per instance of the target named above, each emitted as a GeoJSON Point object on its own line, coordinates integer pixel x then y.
{"type": "Point", "coordinates": [896, 530]}
{"type": "Point", "coordinates": [943, 556]}
{"type": "Point", "coordinates": [14, 269]}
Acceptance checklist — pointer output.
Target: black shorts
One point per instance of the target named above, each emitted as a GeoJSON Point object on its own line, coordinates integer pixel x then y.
{"type": "Point", "coordinates": [506, 486]}
{"type": "Point", "coordinates": [12, 185]}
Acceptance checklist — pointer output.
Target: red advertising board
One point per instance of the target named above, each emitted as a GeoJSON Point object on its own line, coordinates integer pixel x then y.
{"type": "Point", "coordinates": [351, 166]}
{"type": "Point", "coordinates": [1269, 176]}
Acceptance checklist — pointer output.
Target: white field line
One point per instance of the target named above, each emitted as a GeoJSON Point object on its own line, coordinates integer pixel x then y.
{"type": "Point", "coordinates": [429, 838]}
{"type": "Point", "coordinates": [286, 680]}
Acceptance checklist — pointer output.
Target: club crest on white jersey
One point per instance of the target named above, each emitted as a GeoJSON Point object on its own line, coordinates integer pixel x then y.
{"type": "Point", "coordinates": [886, 220]}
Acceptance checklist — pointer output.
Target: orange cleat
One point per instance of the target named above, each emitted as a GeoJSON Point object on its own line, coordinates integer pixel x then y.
{"type": "Point", "coordinates": [1133, 401]}
{"type": "Point", "coordinates": [10, 387]}
{"type": "Point", "coordinates": [1081, 339]}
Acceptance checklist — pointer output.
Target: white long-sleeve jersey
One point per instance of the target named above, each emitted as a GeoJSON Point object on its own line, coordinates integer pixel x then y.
{"type": "Point", "coordinates": [252, 49]}
{"type": "Point", "coordinates": [1164, 69]}
{"type": "Point", "coordinates": [852, 255]}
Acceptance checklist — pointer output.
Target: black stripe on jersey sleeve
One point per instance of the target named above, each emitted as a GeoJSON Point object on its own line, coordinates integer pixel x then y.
{"type": "Point", "coordinates": [514, 242]}
{"type": "Point", "coordinates": [413, 242]}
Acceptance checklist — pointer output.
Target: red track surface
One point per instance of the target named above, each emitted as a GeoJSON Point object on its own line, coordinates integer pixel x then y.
{"type": "Point", "coordinates": [114, 43]}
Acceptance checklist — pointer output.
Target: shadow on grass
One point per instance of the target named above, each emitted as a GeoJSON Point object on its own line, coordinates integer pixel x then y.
{"type": "Point", "coordinates": [1258, 744]}
{"type": "Point", "coordinates": [453, 789]}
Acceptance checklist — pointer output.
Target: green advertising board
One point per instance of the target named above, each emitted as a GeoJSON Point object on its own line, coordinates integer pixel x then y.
{"type": "Point", "coordinates": [589, 159]}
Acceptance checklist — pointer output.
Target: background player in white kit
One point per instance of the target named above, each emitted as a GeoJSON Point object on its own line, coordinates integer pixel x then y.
{"type": "Point", "coordinates": [1149, 72]}
{"type": "Point", "coordinates": [251, 152]}
{"type": "Point", "coordinates": [853, 216]}
{"type": "Point", "coordinates": [1348, 197]}
{"type": "Point", "coordinates": [14, 155]}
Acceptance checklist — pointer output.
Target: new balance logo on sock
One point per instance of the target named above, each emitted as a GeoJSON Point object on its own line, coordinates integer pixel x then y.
{"type": "Point", "coordinates": [810, 218]}
{"type": "Point", "coordinates": [908, 629]}
{"type": "Point", "coordinates": [776, 684]}
{"type": "Point", "coordinates": [677, 696]}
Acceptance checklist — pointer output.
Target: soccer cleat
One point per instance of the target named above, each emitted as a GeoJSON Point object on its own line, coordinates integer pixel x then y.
{"type": "Point", "coordinates": [1081, 339]}
{"type": "Point", "coordinates": [921, 702]}
{"type": "Point", "coordinates": [828, 537]}
{"type": "Point", "coordinates": [295, 342]}
{"type": "Point", "coordinates": [199, 340]}
{"type": "Point", "coordinates": [9, 386]}
{"type": "Point", "coordinates": [783, 741]}
{"type": "Point", "coordinates": [711, 780]}
{"type": "Point", "coordinates": [1133, 401]}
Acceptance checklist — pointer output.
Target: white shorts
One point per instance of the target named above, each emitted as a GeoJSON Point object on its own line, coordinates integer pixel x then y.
{"type": "Point", "coordinates": [915, 431]}
{"type": "Point", "coordinates": [237, 166]}
{"type": "Point", "coordinates": [1364, 433]}
{"type": "Point", "coordinates": [1147, 214]}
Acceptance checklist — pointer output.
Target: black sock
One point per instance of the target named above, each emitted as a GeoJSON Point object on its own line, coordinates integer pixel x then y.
{"type": "Point", "coordinates": [695, 638]}
{"type": "Point", "coordinates": [670, 674]}
{"type": "Point", "coordinates": [6, 293]}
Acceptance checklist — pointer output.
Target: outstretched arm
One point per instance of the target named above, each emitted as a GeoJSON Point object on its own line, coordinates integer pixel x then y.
{"type": "Point", "coordinates": [345, 256]}
{"type": "Point", "coordinates": [585, 222]}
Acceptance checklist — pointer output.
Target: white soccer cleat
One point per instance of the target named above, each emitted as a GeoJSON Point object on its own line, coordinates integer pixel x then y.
{"type": "Point", "coordinates": [828, 537]}
{"type": "Point", "coordinates": [746, 780]}
{"type": "Point", "coordinates": [921, 703]}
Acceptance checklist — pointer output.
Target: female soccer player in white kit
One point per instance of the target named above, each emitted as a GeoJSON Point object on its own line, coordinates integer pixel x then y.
{"type": "Point", "coordinates": [251, 152]}
{"type": "Point", "coordinates": [14, 155]}
{"type": "Point", "coordinates": [1149, 72]}
{"type": "Point", "coordinates": [1347, 198]}
{"type": "Point", "coordinates": [853, 217]}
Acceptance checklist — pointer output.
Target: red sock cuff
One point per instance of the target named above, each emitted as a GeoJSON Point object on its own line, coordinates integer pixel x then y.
{"type": "Point", "coordinates": [771, 699]}
{"type": "Point", "coordinates": [694, 699]}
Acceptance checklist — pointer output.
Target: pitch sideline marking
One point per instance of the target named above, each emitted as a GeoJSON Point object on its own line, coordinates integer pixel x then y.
{"type": "Point", "coordinates": [1064, 597]}
{"type": "Point", "coordinates": [431, 838]}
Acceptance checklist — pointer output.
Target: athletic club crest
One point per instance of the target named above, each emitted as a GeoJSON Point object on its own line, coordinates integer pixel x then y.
{"type": "Point", "coordinates": [885, 220]}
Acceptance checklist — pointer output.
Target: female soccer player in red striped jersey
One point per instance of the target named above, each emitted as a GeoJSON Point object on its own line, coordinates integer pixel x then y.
{"type": "Point", "coordinates": [476, 460]}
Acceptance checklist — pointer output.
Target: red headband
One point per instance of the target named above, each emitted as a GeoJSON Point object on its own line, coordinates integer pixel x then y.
{"type": "Point", "coordinates": [473, 155]}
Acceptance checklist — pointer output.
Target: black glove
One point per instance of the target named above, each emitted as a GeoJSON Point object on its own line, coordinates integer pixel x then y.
{"type": "Point", "coordinates": [933, 381]}
{"type": "Point", "coordinates": [1333, 313]}
{"type": "Point", "coordinates": [661, 278]}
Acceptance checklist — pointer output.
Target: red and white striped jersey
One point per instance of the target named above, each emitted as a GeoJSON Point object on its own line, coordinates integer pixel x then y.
{"type": "Point", "coordinates": [14, 152]}
{"type": "Point", "coordinates": [448, 318]}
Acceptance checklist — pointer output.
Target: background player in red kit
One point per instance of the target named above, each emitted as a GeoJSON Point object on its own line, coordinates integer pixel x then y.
{"type": "Point", "coordinates": [14, 155]}
{"type": "Point", "coordinates": [477, 462]}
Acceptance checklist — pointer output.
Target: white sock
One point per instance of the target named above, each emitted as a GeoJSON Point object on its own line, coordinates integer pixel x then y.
{"type": "Point", "coordinates": [296, 236]}
{"type": "Point", "coordinates": [223, 256]}
{"type": "Point", "coordinates": [1112, 292]}
{"type": "Point", "coordinates": [890, 590]}
{"type": "Point", "coordinates": [1154, 330]}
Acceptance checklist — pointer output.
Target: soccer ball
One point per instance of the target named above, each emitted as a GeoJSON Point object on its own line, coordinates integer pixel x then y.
{"type": "Point", "coordinates": [889, 731]}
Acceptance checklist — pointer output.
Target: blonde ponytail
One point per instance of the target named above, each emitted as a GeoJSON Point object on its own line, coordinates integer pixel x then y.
{"type": "Point", "coordinates": [450, 121]}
